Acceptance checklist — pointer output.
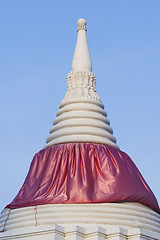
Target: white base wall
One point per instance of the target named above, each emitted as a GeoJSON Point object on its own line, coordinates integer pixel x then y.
{"type": "Point", "coordinates": [111, 221]}
{"type": "Point", "coordinates": [73, 232]}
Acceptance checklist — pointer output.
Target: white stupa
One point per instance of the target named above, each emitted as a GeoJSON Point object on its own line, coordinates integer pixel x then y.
{"type": "Point", "coordinates": [81, 185]}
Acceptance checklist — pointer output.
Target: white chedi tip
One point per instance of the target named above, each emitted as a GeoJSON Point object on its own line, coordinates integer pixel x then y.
{"type": "Point", "coordinates": [81, 59]}
{"type": "Point", "coordinates": [81, 117]}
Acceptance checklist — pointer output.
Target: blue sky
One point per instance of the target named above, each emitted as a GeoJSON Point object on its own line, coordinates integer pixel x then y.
{"type": "Point", "coordinates": [37, 41]}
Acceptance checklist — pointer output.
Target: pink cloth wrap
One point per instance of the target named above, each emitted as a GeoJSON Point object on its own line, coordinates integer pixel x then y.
{"type": "Point", "coordinates": [83, 173]}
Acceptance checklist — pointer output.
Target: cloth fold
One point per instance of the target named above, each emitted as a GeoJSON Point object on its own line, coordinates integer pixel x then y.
{"type": "Point", "coordinates": [83, 173]}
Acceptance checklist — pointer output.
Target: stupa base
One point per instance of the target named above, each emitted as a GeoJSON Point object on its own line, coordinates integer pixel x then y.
{"type": "Point", "coordinates": [76, 232]}
{"type": "Point", "coordinates": [81, 221]}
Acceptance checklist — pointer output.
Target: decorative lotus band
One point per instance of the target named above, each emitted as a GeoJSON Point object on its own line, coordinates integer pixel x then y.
{"type": "Point", "coordinates": [81, 84]}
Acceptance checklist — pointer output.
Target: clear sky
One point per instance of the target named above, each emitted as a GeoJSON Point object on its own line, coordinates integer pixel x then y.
{"type": "Point", "coordinates": [37, 41]}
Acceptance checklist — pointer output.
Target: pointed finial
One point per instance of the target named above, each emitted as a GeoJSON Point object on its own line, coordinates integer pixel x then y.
{"type": "Point", "coordinates": [81, 24]}
{"type": "Point", "coordinates": [81, 59]}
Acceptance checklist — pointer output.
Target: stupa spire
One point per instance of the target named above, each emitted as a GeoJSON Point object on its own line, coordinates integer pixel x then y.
{"type": "Point", "coordinates": [81, 117]}
{"type": "Point", "coordinates": [81, 59]}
